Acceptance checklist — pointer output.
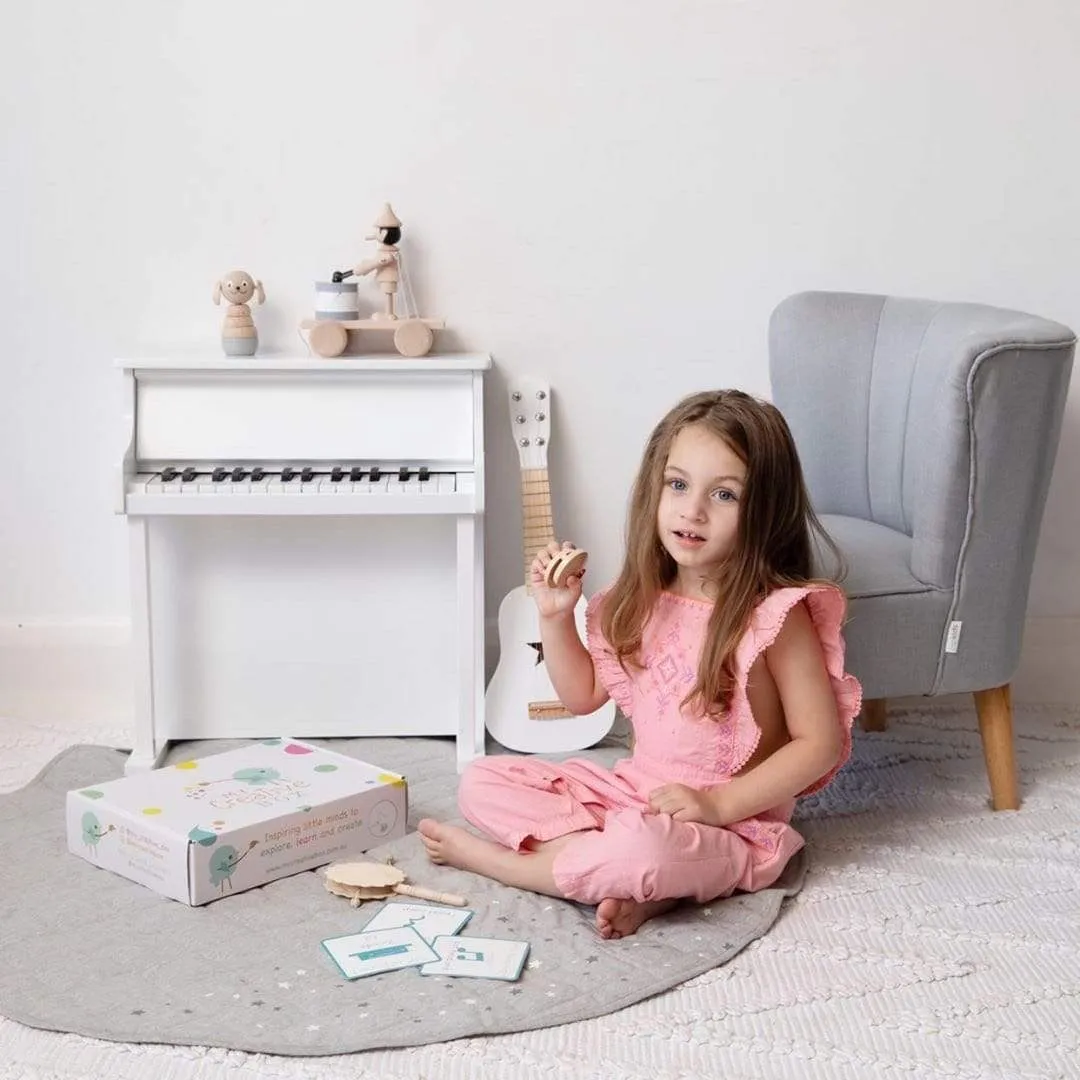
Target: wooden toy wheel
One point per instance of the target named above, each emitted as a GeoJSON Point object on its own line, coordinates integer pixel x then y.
{"type": "Point", "coordinates": [413, 338]}
{"type": "Point", "coordinates": [329, 338]}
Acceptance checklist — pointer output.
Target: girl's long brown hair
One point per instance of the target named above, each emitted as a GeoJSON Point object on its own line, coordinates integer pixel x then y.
{"type": "Point", "coordinates": [773, 546]}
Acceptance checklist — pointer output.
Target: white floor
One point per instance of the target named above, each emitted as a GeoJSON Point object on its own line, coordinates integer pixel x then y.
{"type": "Point", "coordinates": [933, 938]}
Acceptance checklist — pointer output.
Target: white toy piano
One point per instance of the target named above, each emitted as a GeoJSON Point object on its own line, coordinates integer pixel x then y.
{"type": "Point", "coordinates": [306, 547]}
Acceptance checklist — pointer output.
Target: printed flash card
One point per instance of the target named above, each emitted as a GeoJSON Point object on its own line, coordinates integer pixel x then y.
{"type": "Point", "coordinates": [428, 920]}
{"type": "Point", "coordinates": [367, 953]}
{"type": "Point", "coordinates": [480, 958]}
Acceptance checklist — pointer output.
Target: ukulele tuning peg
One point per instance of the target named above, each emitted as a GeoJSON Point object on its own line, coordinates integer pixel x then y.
{"type": "Point", "coordinates": [516, 395]}
{"type": "Point", "coordinates": [540, 395]}
{"type": "Point", "coordinates": [523, 442]}
{"type": "Point", "coordinates": [540, 416]}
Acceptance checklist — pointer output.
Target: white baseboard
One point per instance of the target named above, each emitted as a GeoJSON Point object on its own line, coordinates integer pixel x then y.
{"type": "Point", "coordinates": [80, 671]}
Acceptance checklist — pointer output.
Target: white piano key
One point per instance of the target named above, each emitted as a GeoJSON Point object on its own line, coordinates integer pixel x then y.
{"type": "Point", "coordinates": [447, 483]}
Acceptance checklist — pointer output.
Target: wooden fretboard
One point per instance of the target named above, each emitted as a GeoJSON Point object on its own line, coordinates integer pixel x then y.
{"type": "Point", "coordinates": [537, 528]}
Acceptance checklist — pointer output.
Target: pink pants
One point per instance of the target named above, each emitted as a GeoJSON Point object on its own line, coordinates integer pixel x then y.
{"type": "Point", "coordinates": [622, 849]}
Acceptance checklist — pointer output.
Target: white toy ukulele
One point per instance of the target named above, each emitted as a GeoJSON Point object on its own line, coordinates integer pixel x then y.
{"type": "Point", "coordinates": [522, 710]}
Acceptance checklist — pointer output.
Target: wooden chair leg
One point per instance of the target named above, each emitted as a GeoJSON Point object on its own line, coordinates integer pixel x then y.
{"type": "Point", "coordinates": [995, 726]}
{"type": "Point", "coordinates": [872, 717]}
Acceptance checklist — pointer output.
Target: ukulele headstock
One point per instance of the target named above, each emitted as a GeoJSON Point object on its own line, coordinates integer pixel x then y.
{"type": "Point", "coordinates": [530, 420]}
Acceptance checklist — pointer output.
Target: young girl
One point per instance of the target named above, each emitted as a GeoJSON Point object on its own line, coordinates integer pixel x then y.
{"type": "Point", "coordinates": [727, 658]}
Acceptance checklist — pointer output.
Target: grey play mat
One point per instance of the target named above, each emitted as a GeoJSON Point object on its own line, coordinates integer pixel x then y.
{"type": "Point", "coordinates": [86, 951]}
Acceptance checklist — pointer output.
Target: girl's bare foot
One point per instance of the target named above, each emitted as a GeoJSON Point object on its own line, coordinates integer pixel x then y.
{"type": "Point", "coordinates": [620, 918]}
{"type": "Point", "coordinates": [450, 845]}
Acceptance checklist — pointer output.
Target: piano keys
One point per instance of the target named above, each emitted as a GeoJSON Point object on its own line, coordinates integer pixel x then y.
{"type": "Point", "coordinates": [345, 453]}
{"type": "Point", "coordinates": [351, 486]}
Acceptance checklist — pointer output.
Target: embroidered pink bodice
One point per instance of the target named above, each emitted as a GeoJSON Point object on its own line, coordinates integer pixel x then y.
{"type": "Point", "coordinates": [673, 743]}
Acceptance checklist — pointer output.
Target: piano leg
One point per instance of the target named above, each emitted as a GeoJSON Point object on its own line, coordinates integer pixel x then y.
{"type": "Point", "coordinates": [470, 605]}
{"type": "Point", "coordinates": [145, 751]}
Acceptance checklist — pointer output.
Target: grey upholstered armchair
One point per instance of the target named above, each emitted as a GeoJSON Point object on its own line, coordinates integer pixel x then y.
{"type": "Point", "coordinates": [927, 433]}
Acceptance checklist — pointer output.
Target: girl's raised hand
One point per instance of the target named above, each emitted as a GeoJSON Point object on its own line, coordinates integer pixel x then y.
{"type": "Point", "coordinates": [554, 600]}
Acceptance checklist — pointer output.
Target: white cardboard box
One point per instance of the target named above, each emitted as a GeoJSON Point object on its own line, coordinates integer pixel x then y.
{"type": "Point", "coordinates": [206, 828]}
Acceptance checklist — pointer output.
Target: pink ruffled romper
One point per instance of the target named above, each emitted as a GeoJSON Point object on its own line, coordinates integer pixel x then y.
{"type": "Point", "coordinates": [622, 849]}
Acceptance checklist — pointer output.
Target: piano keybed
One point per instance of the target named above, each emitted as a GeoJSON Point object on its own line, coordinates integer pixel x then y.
{"type": "Point", "coordinates": [187, 488]}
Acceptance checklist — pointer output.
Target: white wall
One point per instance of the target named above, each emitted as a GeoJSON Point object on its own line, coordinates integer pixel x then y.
{"type": "Point", "coordinates": [612, 195]}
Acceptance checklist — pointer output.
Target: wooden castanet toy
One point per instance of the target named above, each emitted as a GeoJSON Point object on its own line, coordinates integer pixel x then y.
{"type": "Point", "coordinates": [568, 561]}
{"type": "Point", "coordinates": [360, 881]}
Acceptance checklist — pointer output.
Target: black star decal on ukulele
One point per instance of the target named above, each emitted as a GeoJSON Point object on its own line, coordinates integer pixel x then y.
{"type": "Point", "coordinates": [539, 647]}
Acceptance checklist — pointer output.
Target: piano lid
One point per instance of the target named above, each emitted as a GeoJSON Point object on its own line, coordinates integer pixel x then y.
{"type": "Point", "coordinates": [355, 408]}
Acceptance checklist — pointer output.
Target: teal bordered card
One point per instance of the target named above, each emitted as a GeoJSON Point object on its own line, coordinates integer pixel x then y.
{"type": "Point", "coordinates": [369, 953]}
{"type": "Point", "coordinates": [428, 920]}
{"type": "Point", "coordinates": [478, 958]}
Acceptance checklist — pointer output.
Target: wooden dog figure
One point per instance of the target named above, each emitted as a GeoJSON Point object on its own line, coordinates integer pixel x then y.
{"type": "Point", "coordinates": [238, 334]}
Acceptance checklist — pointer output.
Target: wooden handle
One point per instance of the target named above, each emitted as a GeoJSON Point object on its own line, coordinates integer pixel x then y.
{"type": "Point", "coordinates": [430, 894]}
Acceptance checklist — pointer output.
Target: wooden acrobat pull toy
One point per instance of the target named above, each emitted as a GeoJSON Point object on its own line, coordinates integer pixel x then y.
{"type": "Point", "coordinates": [568, 561]}
{"type": "Point", "coordinates": [360, 881]}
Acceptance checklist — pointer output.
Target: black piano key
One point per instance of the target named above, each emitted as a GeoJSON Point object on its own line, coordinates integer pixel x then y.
{"type": "Point", "coordinates": [375, 472]}
{"type": "Point", "coordinates": [287, 474]}
{"type": "Point", "coordinates": [356, 473]}
{"type": "Point", "coordinates": [307, 474]}
{"type": "Point", "coordinates": [189, 474]}
{"type": "Point", "coordinates": [218, 474]}
{"type": "Point", "coordinates": [167, 474]}
{"type": "Point", "coordinates": [403, 473]}
{"type": "Point", "coordinates": [258, 474]}
{"type": "Point", "coordinates": [337, 473]}
{"type": "Point", "coordinates": [238, 473]}
{"type": "Point", "coordinates": [425, 473]}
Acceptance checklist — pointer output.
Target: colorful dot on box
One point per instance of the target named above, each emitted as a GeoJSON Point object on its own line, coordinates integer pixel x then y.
{"type": "Point", "coordinates": [392, 778]}
{"type": "Point", "coordinates": [217, 824]}
{"type": "Point", "coordinates": [326, 768]}
{"type": "Point", "coordinates": [187, 765]}
{"type": "Point", "coordinates": [295, 748]}
{"type": "Point", "coordinates": [93, 794]}
{"type": "Point", "coordinates": [150, 811]}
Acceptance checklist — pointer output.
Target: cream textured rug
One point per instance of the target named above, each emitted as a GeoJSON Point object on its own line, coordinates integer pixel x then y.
{"type": "Point", "coordinates": [932, 938]}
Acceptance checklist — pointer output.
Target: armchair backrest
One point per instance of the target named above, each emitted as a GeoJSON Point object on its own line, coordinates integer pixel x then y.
{"type": "Point", "coordinates": [938, 420]}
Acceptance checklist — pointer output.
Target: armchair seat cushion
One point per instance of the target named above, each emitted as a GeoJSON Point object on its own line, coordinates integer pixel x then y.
{"type": "Point", "coordinates": [895, 623]}
{"type": "Point", "coordinates": [878, 558]}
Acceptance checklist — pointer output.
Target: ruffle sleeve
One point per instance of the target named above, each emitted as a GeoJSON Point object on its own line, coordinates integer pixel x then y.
{"type": "Point", "coordinates": [826, 605]}
{"type": "Point", "coordinates": [611, 673]}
